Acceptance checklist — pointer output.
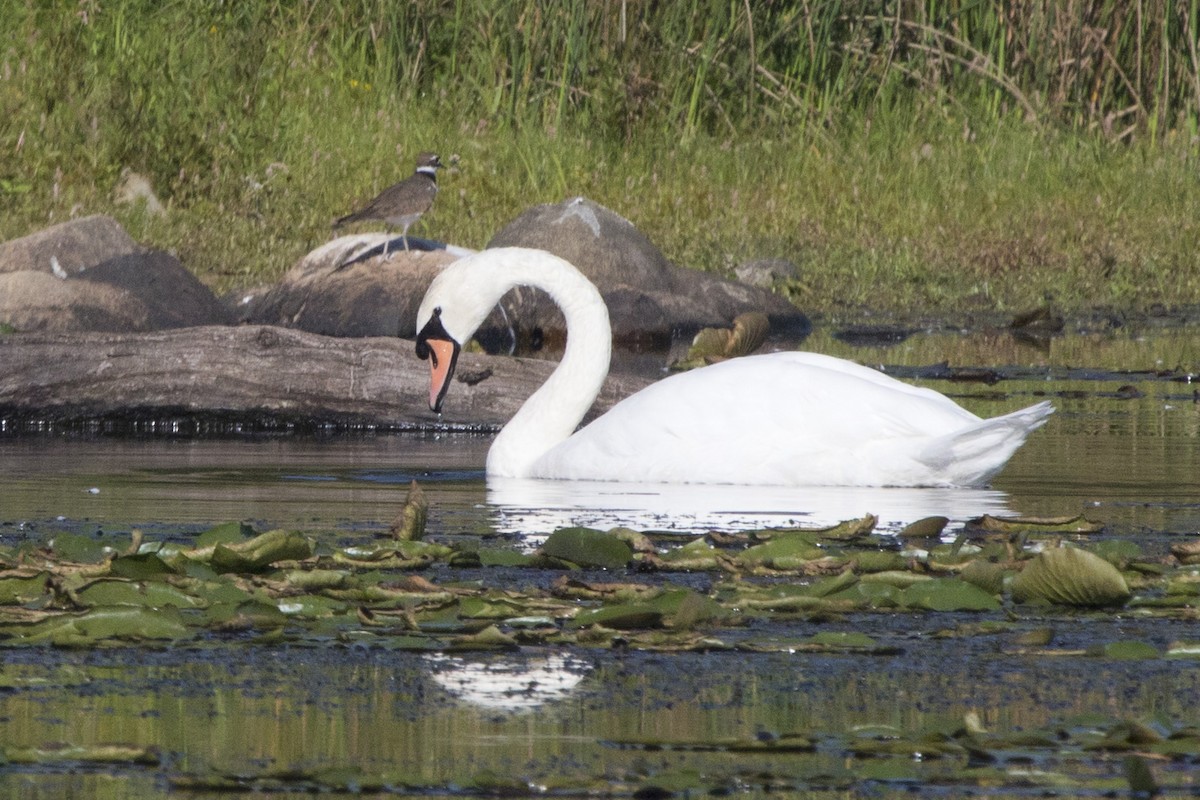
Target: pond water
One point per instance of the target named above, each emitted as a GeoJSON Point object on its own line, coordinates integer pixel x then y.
{"type": "Point", "coordinates": [1122, 449]}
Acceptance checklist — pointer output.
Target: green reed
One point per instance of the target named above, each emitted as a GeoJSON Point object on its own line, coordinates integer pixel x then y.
{"type": "Point", "coordinates": [939, 154]}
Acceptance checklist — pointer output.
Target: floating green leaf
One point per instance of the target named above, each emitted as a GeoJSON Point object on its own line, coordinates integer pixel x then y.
{"type": "Point", "coordinates": [79, 548]}
{"type": "Point", "coordinates": [1070, 576]}
{"type": "Point", "coordinates": [587, 547]}
{"type": "Point", "coordinates": [152, 594]}
{"type": "Point", "coordinates": [695, 555]}
{"type": "Point", "coordinates": [627, 616]}
{"type": "Point", "coordinates": [1126, 651]}
{"type": "Point", "coordinates": [128, 623]}
{"type": "Point", "coordinates": [948, 594]}
{"type": "Point", "coordinates": [140, 567]}
{"type": "Point", "coordinates": [17, 587]}
{"type": "Point", "coordinates": [225, 533]}
{"type": "Point", "coordinates": [782, 553]}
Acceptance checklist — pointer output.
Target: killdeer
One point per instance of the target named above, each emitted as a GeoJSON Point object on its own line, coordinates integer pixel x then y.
{"type": "Point", "coordinates": [403, 204]}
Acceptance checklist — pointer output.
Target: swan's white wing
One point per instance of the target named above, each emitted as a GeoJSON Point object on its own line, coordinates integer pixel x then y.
{"type": "Point", "coordinates": [784, 418]}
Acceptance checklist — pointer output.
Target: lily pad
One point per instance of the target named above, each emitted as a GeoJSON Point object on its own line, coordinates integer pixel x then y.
{"type": "Point", "coordinates": [948, 594]}
{"type": "Point", "coordinates": [782, 553]}
{"type": "Point", "coordinates": [1072, 577]}
{"type": "Point", "coordinates": [695, 555]}
{"type": "Point", "coordinates": [79, 548]}
{"type": "Point", "coordinates": [225, 533]}
{"type": "Point", "coordinates": [626, 616]}
{"type": "Point", "coordinates": [587, 547]}
{"type": "Point", "coordinates": [151, 594]}
{"type": "Point", "coordinates": [1126, 651]}
{"type": "Point", "coordinates": [19, 588]}
{"type": "Point", "coordinates": [129, 623]}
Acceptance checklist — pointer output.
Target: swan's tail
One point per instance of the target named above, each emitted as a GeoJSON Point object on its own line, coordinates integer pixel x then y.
{"type": "Point", "coordinates": [973, 455]}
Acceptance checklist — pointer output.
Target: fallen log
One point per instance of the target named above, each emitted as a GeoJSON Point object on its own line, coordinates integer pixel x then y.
{"type": "Point", "coordinates": [219, 379]}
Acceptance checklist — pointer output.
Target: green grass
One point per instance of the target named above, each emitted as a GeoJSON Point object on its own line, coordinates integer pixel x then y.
{"type": "Point", "coordinates": [940, 159]}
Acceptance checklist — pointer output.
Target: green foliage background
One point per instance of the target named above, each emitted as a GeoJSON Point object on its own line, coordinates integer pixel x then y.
{"type": "Point", "coordinates": [914, 157]}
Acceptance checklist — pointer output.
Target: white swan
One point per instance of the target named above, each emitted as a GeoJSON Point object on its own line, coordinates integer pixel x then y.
{"type": "Point", "coordinates": [786, 418]}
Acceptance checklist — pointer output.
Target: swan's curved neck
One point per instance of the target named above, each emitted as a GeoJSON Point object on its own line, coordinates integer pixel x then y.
{"type": "Point", "coordinates": [552, 413]}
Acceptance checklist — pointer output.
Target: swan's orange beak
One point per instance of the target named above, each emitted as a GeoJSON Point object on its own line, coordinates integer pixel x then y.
{"type": "Point", "coordinates": [435, 344]}
{"type": "Point", "coordinates": [442, 355]}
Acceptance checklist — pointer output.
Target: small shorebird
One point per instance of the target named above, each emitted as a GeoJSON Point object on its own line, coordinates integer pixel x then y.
{"type": "Point", "coordinates": [403, 204]}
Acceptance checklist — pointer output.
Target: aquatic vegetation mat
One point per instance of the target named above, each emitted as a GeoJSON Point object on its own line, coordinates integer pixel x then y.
{"type": "Point", "coordinates": [1002, 588]}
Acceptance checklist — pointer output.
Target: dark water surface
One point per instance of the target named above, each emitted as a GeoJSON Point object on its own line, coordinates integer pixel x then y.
{"type": "Point", "coordinates": [1123, 449]}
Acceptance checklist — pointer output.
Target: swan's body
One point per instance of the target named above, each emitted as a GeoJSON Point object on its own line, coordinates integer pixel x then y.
{"type": "Point", "coordinates": [786, 418]}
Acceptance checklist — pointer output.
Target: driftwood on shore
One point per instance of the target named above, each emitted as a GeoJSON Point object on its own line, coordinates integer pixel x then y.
{"type": "Point", "coordinates": [255, 377]}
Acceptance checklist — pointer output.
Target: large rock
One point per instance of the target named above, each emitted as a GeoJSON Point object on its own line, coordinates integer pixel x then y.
{"type": "Point", "coordinates": [90, 275]}
{"type": "Point", "coordinates": [650, 300]}
{"type": "Point", "coordinates": [71, 246]}
{"type": "Point", "coordinates": [144, 291]}
{"type": "Point", "coordinates": [364, 296]}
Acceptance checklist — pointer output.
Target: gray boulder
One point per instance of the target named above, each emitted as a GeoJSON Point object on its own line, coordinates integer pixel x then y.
{"type": "Point", "coordinates": [73, 246]}
{"type": "Point", "coordinates": [89, 275]}
{"type": "Point", "coordinates": [332, 291]}
{"type": "Point", "coordinates": [134, 293]}
{"type": "Point", "coordinates": [650, 300]}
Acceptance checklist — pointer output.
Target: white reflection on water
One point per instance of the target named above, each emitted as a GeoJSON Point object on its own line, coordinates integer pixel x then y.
{"type": "Point", "coordinates": [536, 508]}
{"type": "Point", "coordinates": [509, 683]}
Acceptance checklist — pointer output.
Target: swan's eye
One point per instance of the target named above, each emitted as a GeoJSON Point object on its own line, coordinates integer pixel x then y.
{"type": "Point", "coordinates": [433, 330]}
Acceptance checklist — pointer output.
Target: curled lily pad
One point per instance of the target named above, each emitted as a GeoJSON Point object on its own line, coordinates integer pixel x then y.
{"type": "Point", "coordinates": [1073, 524]}
{"type": "Point", "coordinates": [1187, 552]}
{"type": "Point", "coordinates": [925, 528]}
{"type": "Point", "coordinates": [256, 553]}
{"type": "Point", "coordinates": [984, 574]}
{"type": "Point", "coordinates": [409, 524]}
{"type": "Point", "coordinates": [748, 333]}
{"type": "Point", "coordinates": [1183, 650]}
{"type": "Point", "coordinates": [1071, 577]}
{"type": "Point", "coordinates": [225, 533]}
{"type": "Point", "coordinates": [785, 552]}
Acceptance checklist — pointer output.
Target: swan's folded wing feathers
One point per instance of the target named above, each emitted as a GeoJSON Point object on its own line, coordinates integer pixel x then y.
{"type": "Point", "coordinates": [780, 418]}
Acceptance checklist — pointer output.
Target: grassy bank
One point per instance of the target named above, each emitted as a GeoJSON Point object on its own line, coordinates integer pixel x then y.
{"type": "Point", "coordinates": [941, 158]}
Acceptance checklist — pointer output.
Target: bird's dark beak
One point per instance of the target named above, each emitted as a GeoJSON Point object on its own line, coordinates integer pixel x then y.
{"type": "Point", "coordinates": [440, 348]}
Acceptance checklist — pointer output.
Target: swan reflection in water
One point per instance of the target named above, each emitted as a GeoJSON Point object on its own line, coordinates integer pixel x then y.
{"type": "Point", "coordinates": [509, 683]}
{"type": "Point", "coordinates": [533, 508]}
